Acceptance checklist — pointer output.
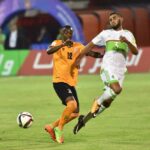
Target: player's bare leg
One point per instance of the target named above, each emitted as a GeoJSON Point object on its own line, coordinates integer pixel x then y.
{"type": "Point", "coordinates": [82, 120]}
{"type": "Point", "coordinates": [50, 127]}
{"type": "Point", "coordinates": [55, 128]}
{"type": "Point", "coordinates": [71, 117]}
{"type": "Point", "coordinates": [65, 118]}
{"type": "Point", "coordinates": [99, 105]}
{"type": "Point", "coordinates": [68, 114]}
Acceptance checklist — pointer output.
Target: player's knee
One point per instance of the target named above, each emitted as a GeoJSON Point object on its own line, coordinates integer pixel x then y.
{"type": "Point", "coordinates": [72, 104]}
{"type": "Point", "coordinates": [117, 90]}
{"type": "Point", "coordinates": [77, 110]}
{"type": "Point", "coordinates": [75, 115]}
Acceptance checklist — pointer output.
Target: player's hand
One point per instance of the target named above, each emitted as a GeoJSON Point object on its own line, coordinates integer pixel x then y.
{"type": "Point", "coordinates": [72, 72]}
{"type": "Point", "coordinates": [123, 39]}
{"type": "Point", "coordinates": [77, 62]}
{"type": "Point", "coordinates": [68, 43]}
{"type": "Point", "coordinates": [72, 68]}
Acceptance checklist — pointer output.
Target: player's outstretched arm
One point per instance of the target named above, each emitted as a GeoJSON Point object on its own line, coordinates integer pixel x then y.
{"type": "Point", "coordinates": [53, 49]}
{"type": "Point", "coordinates": [84, 51]}
{"type": "Point", "coordinates": [94, 54]}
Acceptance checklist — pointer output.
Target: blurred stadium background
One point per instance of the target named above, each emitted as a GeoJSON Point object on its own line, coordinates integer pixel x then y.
{"type": "Point", "coordinates": [37, 23]}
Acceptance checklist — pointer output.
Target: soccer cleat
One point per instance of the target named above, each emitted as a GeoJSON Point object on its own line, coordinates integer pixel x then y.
{"type": "Point", "coordinates": [59, 135]}
{"type": "Point", "coordinates": [79, 125]}
{"type": "Point", "coordinates": [50, 130]}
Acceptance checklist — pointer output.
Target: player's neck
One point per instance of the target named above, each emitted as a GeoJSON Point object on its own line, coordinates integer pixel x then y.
{"type": "Point", "coordinates": [119, 28]}
{"type": "Point", "coordinates": [64, 39]}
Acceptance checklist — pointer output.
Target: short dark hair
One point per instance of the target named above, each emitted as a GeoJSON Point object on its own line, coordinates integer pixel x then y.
{"type": "Point", "coordinates": [115, 13]}
{"type": "Point", "coordinates": [67, 27]}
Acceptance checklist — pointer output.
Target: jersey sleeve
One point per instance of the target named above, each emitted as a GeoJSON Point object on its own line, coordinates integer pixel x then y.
{"type": "Point", "coordinates": [54, 43]}
{"type": "Point", "coordinates": [99, 39]}
{"type": "Point", "coordinates": [81, 47]}
{"type": "Point", "coordinates": [131, 39]}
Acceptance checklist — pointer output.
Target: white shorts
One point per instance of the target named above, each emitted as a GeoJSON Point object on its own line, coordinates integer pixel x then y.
{"type": "Point", "coordinates": [110, 75]}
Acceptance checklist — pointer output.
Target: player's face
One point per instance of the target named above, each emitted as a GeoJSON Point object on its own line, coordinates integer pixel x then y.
{"type": "Point", "coordinates": [67, 34]}
{"type": "Point", "coordinates": [115, 21]}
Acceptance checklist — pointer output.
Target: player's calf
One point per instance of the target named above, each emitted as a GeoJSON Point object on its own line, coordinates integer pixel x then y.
{"type": "Point", "coordinates": [116, 88]}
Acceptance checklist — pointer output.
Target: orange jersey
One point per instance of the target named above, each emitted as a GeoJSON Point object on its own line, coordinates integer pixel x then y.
{"type": "Point", "coordinates": [63, 60]}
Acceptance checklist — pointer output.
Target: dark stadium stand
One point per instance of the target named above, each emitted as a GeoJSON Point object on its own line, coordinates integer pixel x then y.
{"type": "Point", "coordinates": [136, 19]}
{"type": "Point", "coordinates": [103, 18]}
{"type": "Point", "coordinates": [90, 25]}
{"type": "Point", "coordinates": [142, 26]}
{"type": "Point", "coordinates": [136, 15]}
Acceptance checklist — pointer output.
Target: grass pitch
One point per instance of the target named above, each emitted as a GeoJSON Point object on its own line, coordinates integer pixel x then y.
{"type": "Point", "coordinates": [124, 126]}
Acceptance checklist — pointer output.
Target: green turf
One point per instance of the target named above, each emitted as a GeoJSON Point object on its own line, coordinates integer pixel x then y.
{"type": "Point", "coordinates": [124, 126]}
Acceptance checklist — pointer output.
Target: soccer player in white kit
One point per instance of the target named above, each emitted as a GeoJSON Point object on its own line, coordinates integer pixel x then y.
{"type": "Point", "coordinates": [117, 42]}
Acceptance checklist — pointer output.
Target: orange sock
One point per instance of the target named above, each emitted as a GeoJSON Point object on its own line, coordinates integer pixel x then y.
{"type": "Point", "coordinates": [70, 108]}
{"type": "Point", "coordinates": [55, 123]}
{"type": "Point", "coordinates": [71, 117]}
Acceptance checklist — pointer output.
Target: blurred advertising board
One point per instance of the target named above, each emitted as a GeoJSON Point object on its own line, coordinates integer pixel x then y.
{"type": "Point", "coordinates": [24, 62]}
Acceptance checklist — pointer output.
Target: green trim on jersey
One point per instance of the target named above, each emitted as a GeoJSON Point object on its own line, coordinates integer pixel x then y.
{"type": "Point", "coordinates": [108, 80]}
{"type": "Point", "coordinates": [116, 45]}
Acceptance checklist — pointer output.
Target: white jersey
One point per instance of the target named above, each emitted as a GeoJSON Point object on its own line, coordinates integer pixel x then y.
{"type": "Point", "coordinates": [116, 51]}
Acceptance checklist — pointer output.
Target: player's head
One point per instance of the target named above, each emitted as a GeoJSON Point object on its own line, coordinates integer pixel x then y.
{"type": "Point", "coordinates": [66, 32]}
{"type": "Point", "coordinates": [115, 20]}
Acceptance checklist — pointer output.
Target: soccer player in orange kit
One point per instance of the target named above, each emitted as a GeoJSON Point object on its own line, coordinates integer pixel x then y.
{"type": "Point", "coordinates": [65, 52]}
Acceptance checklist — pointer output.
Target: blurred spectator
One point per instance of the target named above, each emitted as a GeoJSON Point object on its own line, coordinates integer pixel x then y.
{"type": "Point", "coordinates": [2, 39]}
{"type": "Point", "coordinates": [77, 4]}
{"type": "Point", "coordinates": [44, 36]}
{"type": "Point", "coordinates": [29, 11]}
{"type": "Point", "coordinates": [16, 39]}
